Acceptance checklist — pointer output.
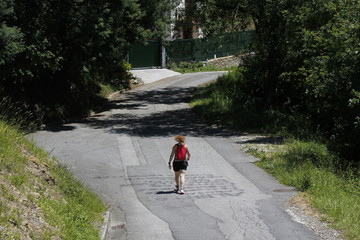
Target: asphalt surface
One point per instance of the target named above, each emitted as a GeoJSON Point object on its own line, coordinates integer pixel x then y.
{"type": "Point", "coordinates": [152, 75]}
{"type": "Point", "coordinates": [122, 155]}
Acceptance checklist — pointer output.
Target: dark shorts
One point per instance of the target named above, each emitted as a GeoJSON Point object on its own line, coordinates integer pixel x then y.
{"type": "Point", "coordinates": [180, 165]}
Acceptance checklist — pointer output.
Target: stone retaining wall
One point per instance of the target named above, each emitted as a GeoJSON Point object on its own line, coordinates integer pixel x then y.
{"type": "Point", "coordinates": [223, 62]}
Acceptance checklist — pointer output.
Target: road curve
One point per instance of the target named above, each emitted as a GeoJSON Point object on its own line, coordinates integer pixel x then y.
{"type": "Point", "coordinates": [122, 155]}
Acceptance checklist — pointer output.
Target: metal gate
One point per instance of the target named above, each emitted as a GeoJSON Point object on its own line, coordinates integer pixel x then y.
{"type": "Point", "coordinates": [145, 55]}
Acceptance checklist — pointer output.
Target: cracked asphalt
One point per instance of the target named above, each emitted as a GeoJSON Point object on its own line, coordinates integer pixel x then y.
{"type": "Point", "coordinates": [122, 155]}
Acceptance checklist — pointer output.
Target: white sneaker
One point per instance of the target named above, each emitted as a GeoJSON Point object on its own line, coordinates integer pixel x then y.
{"type": "Point", "coordinates": [181, 191]}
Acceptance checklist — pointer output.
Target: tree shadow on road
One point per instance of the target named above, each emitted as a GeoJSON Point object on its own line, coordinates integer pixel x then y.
{"type": "Point", "coordinates": [168, 95]}
{"type": "Point", "coordinates": [166, 123]}
{"type": "Point", "coordinates": [133, 115]}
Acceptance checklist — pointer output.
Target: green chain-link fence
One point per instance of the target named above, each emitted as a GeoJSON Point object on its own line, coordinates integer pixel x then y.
{"type": "Point", "coordinates": [187, 50]}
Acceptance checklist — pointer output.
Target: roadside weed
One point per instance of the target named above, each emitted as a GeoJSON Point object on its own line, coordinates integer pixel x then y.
{"type": "Point", "coordinates": [106, 90]}
{"type": "Point", "coordinates": [14, 114]}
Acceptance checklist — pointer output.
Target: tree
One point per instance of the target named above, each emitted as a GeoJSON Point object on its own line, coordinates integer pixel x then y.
{"type": "Point", "coordinates": [219, 16]}
{"type": "Point", "coordinates": [322, 68]}
{"type": "Point", "coordinates": [10, 36]}
{"type": "Point", "coordinates": [306, 61]}
{"type": "Point", "coordinates": [54, 53]}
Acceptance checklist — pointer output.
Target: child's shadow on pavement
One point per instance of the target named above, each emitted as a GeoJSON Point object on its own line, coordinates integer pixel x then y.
{"type": "Point", "coordinates": [166, 192]}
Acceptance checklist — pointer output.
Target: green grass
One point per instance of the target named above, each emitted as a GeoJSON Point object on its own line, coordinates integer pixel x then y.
{"type": "Point", "coordinates": [311, 168]}
{"type": "Point", "coordinates": [70, 210]}
{"type": "Point", "coordinates": [106, 90]}
{"type": "Point", "coordinates": [333, 188]}
{"type": "Point", "coordinates": [225, 101]}
{"type": "Point", "coordinates": [82, 208]}
{"type": "Point", "coordinates": [191, 67]}
{"type": "Point", "coordinates": [14, 114]}
{"type": "Point", "coordinates": [217, 102]}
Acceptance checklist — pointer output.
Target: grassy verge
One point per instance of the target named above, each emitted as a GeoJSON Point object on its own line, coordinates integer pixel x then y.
{"type": "Point", "coordinates": [217, 102]}
{"type": "Point", "coordinates": [334, 192]}
{"type": "Point", "coordinates": [106, 90]}
{"type": "Point", "coordinates": [332, 187]}
{"type": "Point", "coordinates": [190, 67]}
{"type": "Point", "coordinates": [39, 198]}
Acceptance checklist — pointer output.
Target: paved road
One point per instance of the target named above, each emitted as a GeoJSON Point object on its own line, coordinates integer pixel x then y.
{"type": "Point", "coordinates": [122, 155]}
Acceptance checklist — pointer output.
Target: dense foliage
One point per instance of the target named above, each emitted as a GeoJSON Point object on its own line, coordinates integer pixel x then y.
{"type": "Point", "coordinates": [54, 53]}
{"type": "Point", "coordinates": [306, 62]}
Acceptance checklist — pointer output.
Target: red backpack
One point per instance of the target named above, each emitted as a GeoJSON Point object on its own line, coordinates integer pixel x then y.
{"type": "Point", "coordinates": [180, 152]}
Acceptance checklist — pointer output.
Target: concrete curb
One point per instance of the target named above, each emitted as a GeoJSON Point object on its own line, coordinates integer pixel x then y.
{"type": "Point", "coordinates": [104, 228]}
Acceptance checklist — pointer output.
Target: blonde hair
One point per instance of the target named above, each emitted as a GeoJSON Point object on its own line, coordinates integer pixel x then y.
{"type": "Point", "coordinates": [180, 138]}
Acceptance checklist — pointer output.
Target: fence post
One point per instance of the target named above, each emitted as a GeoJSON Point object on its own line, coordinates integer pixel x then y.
{"type": "Point", "coordinates": [163, 55]}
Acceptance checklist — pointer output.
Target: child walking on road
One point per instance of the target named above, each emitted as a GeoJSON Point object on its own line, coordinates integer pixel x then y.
{"type": "Point", "coordinates": [179, 156]}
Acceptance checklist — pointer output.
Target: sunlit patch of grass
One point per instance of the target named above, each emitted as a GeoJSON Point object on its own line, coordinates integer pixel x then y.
{"type": "Point", "coordinates": [308, 166]}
